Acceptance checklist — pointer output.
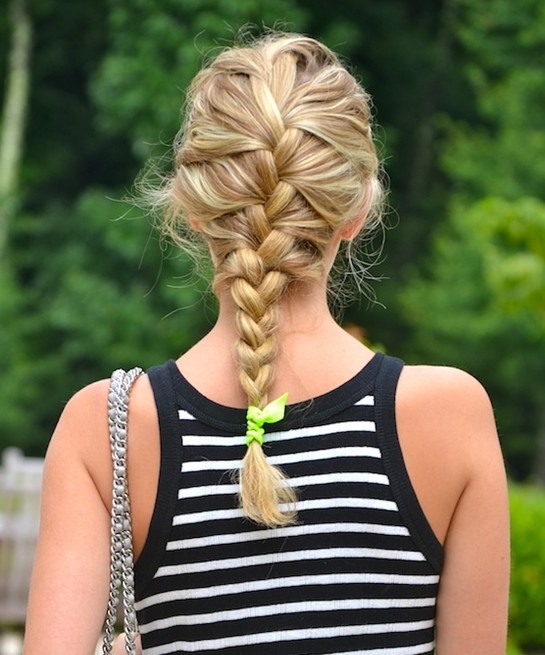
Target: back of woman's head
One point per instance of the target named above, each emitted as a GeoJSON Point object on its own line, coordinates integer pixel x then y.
{"type": "Point", "coordinates": [276, 156]}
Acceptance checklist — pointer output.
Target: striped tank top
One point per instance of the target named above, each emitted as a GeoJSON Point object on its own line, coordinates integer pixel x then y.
{"type": "Point", "coordinates": [357, 574]}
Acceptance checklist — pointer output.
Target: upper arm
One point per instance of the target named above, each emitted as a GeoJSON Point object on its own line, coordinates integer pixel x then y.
{"type": "Point", "coordinates": [69, 586]}
{"type": "Point", "coordinates": [451, 448]}
{"type": "Point", "coordinates": [473, 595]}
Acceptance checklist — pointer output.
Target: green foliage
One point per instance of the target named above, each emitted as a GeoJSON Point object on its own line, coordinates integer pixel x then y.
{"type": "Point", "coordinates": [95, 297]}
{"type": "Point", "coordinates": [64, 153]}
{"type": "Point", "coordinates": [480, 304]}
{"type": "Point", "coordinates": [503, 155]}
{"type": "Point", "coordinates": [512, 648]}
{"type": "Point", "coordinates": [527, 600]}
{"type": "Point", "coordinates": [12, 352]}
{"type": "Point", "coordinates": [514, 35]}
{"type": "Point", "coordinates": [514, 256]}
{"type": "Point", "coordinates": [491, 259]}
{"type": "Point", "coordinates": [154, 51]}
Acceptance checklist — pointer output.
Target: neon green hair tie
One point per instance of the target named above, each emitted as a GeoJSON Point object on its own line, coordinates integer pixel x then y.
{"type": "Point", "coordinates": [255, 417]}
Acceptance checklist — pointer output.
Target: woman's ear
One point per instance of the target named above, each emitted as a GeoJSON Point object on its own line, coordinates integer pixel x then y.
{"type": "Point", "coordinates": [351, 230]}
{"type": "Point", "coordinates": [194, 224]}
{"type": "Point", "coordinates": [353, 227]}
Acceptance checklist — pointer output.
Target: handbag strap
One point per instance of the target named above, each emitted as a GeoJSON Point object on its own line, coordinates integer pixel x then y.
{"type": "Point", "coordinates": [121, 554]}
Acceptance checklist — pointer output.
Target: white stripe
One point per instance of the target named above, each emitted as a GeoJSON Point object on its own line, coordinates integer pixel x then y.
{"type": "Point", "coordinates": [287, 635]}
{"type": "Point", "coordinates": [185, 416]}
{"type": "Point", "coordinates": [318, 430]}
{"type": "Point", "coordinates": [282, 435]}
{"type": "Point", "coordinates": [285, 583]}
{"type": "Point", "coordinates": [366, 400]}
{"type": "Point", "coordinates": [302, 481]}
{"type": "Point", "coordinates": [296, 555]}
{"type": "Point", "coordinates": [286, 608]}
{"type": "Point", "coordinates": [300, 506]}
{"type": "Point", "coordinates": [289, 531]}
{"type": "Point", "coordinates": [398, 650]}
{"type": "Point", "coordinates": [278, 460]}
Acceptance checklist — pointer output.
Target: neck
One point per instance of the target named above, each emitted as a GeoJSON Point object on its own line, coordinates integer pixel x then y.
{"type": "Point", "coordinates": [314, 353]}
{"type": "Point", "coordinates": [302, 311]}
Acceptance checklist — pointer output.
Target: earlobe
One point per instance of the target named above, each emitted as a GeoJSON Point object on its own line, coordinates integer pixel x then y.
{"type": "Point", "coordinates": [351, 230]}
{"type": "Point", "coordinates": [194, 224]}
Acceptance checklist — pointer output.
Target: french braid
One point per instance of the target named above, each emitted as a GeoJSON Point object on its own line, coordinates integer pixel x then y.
{"type": "Point", "coordinates": [276, 156]}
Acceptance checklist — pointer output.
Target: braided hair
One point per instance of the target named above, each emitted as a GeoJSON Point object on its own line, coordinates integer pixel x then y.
{"type": "Point", "coordinates": [275, 157]}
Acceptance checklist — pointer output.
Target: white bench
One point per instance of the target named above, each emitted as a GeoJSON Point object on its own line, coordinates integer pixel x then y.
{"type": "Point", "coordinates": [20, 486]}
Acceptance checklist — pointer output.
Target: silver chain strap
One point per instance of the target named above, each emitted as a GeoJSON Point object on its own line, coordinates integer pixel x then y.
{"type": "Point", "coordinates": [121, 555]}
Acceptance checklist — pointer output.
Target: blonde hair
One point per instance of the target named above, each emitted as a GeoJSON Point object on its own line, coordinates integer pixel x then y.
{"type": "Point", "coordinates": [276, 155]}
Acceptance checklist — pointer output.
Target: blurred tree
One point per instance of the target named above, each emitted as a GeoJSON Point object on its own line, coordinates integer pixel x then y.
{"type": "Point", "coordinates": [503, 153]}
{"type": "Point", "coordinates": [64, 153]}
{"type": "Point", "coordinates": [93, 301]}
{"type": "Point", "coordinates": [491, 257]}
{"type": "Point", "coordinates": [482, 308]}
{"type": "Point", "coordinates": [13, 117]}
{"type": "Point", "coordinates": [154, 50]}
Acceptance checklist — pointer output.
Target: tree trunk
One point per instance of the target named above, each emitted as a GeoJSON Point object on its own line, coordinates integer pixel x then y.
{"type": "Point", "coordinates": [14, 115]}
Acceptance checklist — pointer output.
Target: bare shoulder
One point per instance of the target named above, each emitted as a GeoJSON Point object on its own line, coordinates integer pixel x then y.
{"type": "Point", "coordinates": [74, 539]}
{"type": "Point", "coordinates": [443, 385]}
{"type": "Point", "coordinates": [447, 431]}
{"type": "Point", "coordinates": [85, 401]}
{"type": "Point", "coordinates": [85, 416]}
{"type": "Point", "coordinates": [451, 410]}
{"type": "Point", "coordinates": [83, 422]}
{"type": "Point", "coordinates": [82, 433]}
{"type": "Point", "coordinates": [449, 401]}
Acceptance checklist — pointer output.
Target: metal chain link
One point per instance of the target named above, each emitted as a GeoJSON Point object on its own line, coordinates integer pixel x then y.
{"type": "Point", "coordinates": [121, 554]}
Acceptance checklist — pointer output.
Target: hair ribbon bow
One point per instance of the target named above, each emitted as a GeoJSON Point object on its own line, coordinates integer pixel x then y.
{"type": "Point", "coordinates": [256, 418]}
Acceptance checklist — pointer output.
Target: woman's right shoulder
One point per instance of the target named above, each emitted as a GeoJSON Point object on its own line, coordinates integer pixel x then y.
{"type": "Point", "coordinates": [91, 396]}
{"type": "Point", "coordinates": [83, 429]}
{"type": "Point", "coordinates": [85, 415]}
{"type": "Point", "coordinates": [82, 441]}
{"type": "Point", "coordinates": [83, 418]}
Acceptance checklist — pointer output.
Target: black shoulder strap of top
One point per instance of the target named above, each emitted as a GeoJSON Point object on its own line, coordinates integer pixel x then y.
{"type": "Point", "coordinates": [400, 483]}
{"type": "Point", "coordinates": [169, 475]}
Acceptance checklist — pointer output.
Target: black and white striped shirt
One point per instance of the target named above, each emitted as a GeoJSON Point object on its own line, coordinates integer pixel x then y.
{"type": "Point", "coordinates": [357, 574]}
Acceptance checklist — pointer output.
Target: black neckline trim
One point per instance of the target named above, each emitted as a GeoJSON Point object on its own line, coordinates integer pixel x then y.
{"type": "Point", "coordinates": [233, 419]}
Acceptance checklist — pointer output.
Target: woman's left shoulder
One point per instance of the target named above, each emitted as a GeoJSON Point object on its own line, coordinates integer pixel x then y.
{"type": "Point", "coordinates": [448, 437]}
{"type": "Point", "coordinates": [446, 395]}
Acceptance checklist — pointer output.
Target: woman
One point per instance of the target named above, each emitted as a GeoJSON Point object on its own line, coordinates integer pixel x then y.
{"type": "Point", "coordinates": [371, 517]}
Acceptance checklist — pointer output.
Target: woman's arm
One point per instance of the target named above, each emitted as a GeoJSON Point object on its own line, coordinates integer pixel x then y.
{"type": "Point", "coordinates": [69, 588]}
{"type": "Point", "coordinates": [451, 449]}
{"type": "Point", "coordinates": [473, 595]}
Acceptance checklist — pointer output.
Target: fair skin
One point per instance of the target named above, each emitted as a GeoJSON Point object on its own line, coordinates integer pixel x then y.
{"type": "Point", "coordinates": [448, 438]}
